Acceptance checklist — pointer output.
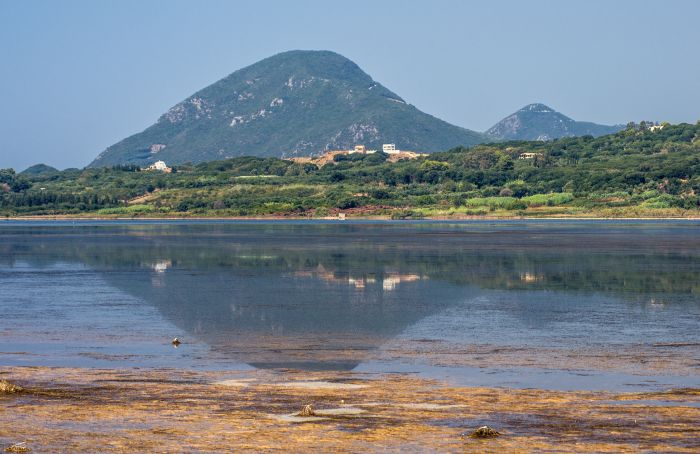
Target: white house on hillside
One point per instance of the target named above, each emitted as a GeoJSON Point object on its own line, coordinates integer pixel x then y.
{"type": "Point", "coordinates": [159, 165]}
{"type": "Point", "coordinates": [389, 148]}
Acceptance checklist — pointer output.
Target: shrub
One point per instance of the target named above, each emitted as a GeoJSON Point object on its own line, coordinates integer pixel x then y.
{"type": "Point", "coordinates": [506, 192]}
{"type": "Point", "coordinates": [553, 199]}
{"type": "Point", "coordinates": [129, 210]}
{"type": "Point", "coordinates": [406, 214]}
{"type": "Point", "coordinates": [493, 203]}
{"type": "Point", "coordinates": [347, 203]}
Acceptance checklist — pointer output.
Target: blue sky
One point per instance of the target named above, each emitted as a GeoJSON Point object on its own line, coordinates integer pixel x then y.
{"type": "Point", "coordinates": [78, 76]}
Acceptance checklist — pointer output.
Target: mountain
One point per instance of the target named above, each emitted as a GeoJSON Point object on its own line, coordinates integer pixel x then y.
{"type": "Point", "coordinates": [39, 169]}
{"type": "Point", "coordinates": [293, 103]}
{"type": "Point", "coordinates": [539, 122]}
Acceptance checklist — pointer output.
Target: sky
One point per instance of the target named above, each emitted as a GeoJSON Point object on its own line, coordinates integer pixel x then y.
{"type": "Point", "coordinates": [77, 76]}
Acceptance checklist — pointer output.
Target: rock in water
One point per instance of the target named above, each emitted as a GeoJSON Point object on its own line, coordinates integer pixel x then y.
{"type": "Point", "coordinates": [8, 388]}
{"type": "Point", "coordinates": [18, 447]}
{"type": "Point", "coordinates": [307, 410]}
{"type": "Point", "coordinates": [484, 432]}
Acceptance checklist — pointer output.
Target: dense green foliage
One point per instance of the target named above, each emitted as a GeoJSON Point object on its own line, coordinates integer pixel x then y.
{"type": "Point", "coordinates": [294, 103]}
{"type": "Point", "coordinates": [634, 172]}
{"type": "Point", "coordinates": [39, 169]}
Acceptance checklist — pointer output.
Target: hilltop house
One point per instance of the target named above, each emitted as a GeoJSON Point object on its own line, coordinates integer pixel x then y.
{"type": "Point", "coordinates": [361, 149]}
{"type": "Point", "coordinates": [329, 157]}
{"type": "Point", "coordinates": [390, 148]}
{"type": "Point", "coordinates": [160, 166]}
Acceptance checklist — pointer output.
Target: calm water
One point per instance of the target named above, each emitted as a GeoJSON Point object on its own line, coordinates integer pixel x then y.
{"type": "Point", "coordinates": [483, 303]}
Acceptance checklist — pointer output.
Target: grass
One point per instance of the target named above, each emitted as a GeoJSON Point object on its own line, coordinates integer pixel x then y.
{"type": "Point", "coordinates": [129, 210]}
{"type": "Point", "coordinates": [493, 203]}
{"type": "Point", "coordinates": [553, 199]}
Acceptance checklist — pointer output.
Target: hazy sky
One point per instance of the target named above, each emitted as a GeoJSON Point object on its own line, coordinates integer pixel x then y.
{"type": "Point", "coordinates": [78, 76]}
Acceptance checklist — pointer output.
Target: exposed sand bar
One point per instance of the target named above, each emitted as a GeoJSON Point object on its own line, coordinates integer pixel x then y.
{"type": "Point", "coordinates": [89, 410]}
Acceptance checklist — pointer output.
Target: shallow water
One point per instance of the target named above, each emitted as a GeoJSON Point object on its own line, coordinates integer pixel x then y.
{"type": "Point", "coordinates": [547, 304]}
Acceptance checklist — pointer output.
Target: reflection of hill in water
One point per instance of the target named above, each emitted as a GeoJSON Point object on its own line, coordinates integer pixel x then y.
{"type": "Point", "coordinates": [267, 318]}
{"type": "Point", "coordinates": [318, 296]}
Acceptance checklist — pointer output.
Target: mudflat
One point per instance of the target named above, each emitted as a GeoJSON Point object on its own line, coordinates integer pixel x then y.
{"type": "Point", "coordinates": [88, 410]}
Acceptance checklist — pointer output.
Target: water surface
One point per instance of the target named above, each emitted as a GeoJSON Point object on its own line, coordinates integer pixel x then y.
{"type": "Point", "coordinates": [551, 304]}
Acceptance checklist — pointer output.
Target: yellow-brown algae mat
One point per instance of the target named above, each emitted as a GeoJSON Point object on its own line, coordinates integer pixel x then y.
{"type": "Point", "coordinates": [89, 410]}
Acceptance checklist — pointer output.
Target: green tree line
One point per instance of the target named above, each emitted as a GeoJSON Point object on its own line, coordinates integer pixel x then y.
{"type": "Point", "coordinates": [634, 172]}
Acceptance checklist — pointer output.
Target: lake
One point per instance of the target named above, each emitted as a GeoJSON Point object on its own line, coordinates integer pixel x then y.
{"type": "Point", "coordinates": [545, 304]}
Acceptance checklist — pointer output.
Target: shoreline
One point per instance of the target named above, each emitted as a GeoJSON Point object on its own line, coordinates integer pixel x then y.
{"type": "Point", "coordinates": [350, 219]}
{"type": "Point", "coordinates": [83, 410]}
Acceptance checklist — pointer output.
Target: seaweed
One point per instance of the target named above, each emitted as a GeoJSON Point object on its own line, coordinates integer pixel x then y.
{"type": "Point", "coordinates": [18, 447]}
{"type": "Point", "coordinates": [9, 388]}
{"type": "Point", "coordinates": [307, 410]}
{"type": "Point", "coordinates": [484, 432]}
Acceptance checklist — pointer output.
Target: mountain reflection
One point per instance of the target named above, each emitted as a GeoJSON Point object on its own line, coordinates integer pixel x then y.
{"type": "Point", "coordinates": [318, 296]}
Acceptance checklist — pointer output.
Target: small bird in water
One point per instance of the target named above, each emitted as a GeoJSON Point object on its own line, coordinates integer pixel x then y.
{"type": "Point", "coordinates": [176, 342]}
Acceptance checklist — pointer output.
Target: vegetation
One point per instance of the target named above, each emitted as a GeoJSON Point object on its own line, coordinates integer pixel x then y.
{"type": "Point", "coordinates": [293, 102]}
{"type": "Point", "coordinates": [39, 169]}
{"type": "Point", "coordinates": [9, 388]}
{"type": "Point", "coordinates": [636, 172]}
{"type": "Point", "coordinates": [537, 121]}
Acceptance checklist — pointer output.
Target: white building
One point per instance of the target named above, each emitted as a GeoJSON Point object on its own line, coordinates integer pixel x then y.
{"type": "Point", "coordinates": [389, 148]}
{"type": "Point", "coordinates": [361, 149]}
{"type": "Point", "coordinates": [159, 165]}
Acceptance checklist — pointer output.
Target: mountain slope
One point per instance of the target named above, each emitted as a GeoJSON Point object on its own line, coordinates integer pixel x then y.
{"type": "Point", "coordinates": [39, 169]}
{"type": "Point", "coordinates": [293, 103]}
{"type": "Point", "coordinates": [539, 122]}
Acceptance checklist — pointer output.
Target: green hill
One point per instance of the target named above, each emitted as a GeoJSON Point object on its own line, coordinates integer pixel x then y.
{"type": "Point", "coordinates": [293, 103]}
{"type": "Point", "coordinates": [636, 172]}
{"type": "Point", "coordinates": [39, 169]}
{"type": "Point", "coordinates": [540, 122]}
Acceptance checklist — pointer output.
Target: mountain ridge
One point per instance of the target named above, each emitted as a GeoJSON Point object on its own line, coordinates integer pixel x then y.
{"type": "Point", "coordinates": [538, 121]}
{"type": "Point", "coordinates": [293, 103]}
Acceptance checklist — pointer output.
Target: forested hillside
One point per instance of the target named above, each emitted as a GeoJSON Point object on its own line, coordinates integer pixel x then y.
{"type": "Point", "coordinates": [636, 172]}
{"type": "Point", "coordinates": [540, 122]}
{"type": "Point", "coordinates": [295, 103]}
